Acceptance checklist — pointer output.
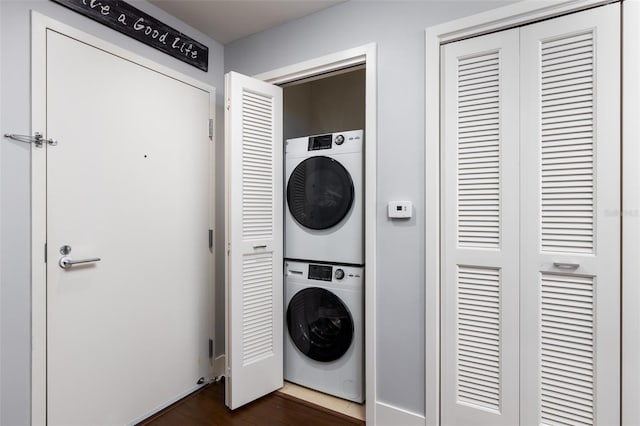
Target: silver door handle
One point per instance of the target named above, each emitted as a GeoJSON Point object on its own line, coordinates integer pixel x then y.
{"type": "Point", "coordinates": [564, 265]}
{"type": "Point", "coordinates": [66, 262]}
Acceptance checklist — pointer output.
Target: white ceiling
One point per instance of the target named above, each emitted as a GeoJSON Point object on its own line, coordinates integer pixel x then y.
{"type": "Point", "coordinates": [229, 20]}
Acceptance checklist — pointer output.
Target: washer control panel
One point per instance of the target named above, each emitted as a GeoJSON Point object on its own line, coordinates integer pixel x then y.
{"type": "Point", "coordinates": [320, 272]}
{"type": "Point", "coordinates": [326, 272]}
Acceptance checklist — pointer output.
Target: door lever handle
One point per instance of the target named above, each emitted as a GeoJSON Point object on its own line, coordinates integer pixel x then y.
{"type": "Point", "coordinates": [564, 265]}
{"type": "Point", "coordinates": [66, 262]}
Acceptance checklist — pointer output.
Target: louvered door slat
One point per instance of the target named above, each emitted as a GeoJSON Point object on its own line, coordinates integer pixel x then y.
{"type": "Point", "coordinates": [480, 261]}
{"type": "Point", "coordinates": [479, 152]}
{"type": "Point", "coordinates": [571, 84]}
{"type": "Point", "coordinates": [254, 239]}
{"type": "Point", "coordinates": [569, 344]}
{"type": "Point", "coordinates": [570, 169]}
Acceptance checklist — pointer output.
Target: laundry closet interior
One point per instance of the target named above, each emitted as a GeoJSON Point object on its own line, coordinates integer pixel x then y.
{"type": "Point", "coordinates": [323, 122]}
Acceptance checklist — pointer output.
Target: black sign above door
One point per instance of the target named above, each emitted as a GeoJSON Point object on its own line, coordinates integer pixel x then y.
{"type": "Point", "coordinates": [122, 17]}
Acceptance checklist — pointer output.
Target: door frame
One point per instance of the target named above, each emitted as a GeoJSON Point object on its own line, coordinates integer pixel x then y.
{"type": "Point", "coordinates": [362, 55]}
{"type": "Point", "coordinates": [501, 19]}
{"type": "Point", "coordinates": [39, 25]}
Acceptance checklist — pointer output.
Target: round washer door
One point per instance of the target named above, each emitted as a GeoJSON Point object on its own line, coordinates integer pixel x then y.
{"type": "Point", "coordinates": [320, 192]}
{"type": "Point", "coordinates": [319, 324]}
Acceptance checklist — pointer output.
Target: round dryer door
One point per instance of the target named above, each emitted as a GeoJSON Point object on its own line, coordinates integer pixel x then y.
{"type": "Point", "coordinates": [319, 324]}
{"type": "Point", "coordinates": [319, 192]}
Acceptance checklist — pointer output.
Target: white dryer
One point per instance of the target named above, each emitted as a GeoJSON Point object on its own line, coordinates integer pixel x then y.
{"type": "Point", "coordinates": [324, 196]}
{"type": "Point", "coordinates": [324, 335]}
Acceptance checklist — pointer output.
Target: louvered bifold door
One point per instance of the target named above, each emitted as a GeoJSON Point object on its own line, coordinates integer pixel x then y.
{"type": "Point", "coordinates": [480, 231]}
{"type": "Point", "coordinates": [570, 247]}
{"type": "Point", "coordinates": [254, 236]}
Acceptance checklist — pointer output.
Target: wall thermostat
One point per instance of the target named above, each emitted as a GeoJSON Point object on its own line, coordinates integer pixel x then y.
{"type": "Point", "coordinates": [400, 209]}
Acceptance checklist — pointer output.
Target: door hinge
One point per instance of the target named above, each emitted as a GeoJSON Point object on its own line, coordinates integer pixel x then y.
{"type": "Point", "coordinates": [228, 104]}
{"type": "Point", "coordinates": [211, 128]}
{"type": "Point", "coordinates": [210, 238]}
{"type": "Point", "coordinates": [210, 348]}
{"type": "Point", "coordinates": [45, 252]}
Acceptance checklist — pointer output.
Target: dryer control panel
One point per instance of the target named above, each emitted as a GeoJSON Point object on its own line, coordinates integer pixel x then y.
{"type": "Point", "coordinates": [344, 142]}
{"type": "Point", "coordinates": [320, 142]}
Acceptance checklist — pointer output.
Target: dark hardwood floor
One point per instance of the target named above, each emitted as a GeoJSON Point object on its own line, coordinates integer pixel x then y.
{"type": "Point", "coordinates": [206, 407]}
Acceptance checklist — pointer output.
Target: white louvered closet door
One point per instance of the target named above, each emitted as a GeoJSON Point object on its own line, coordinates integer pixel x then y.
{"type": "Point", "coordinates": [254, 236]}
{"type": "Point", "coordinates": [480, 225]}
{"type": "Point", "coordinates": [570, 244]}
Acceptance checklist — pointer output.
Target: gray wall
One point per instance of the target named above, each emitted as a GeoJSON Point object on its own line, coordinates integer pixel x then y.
{"type": "Point", "coordinates": [397, 27]}
{"type": "Point", "coordinates": [15, 113]}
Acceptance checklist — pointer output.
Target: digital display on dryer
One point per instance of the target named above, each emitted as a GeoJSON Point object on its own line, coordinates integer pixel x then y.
{"type": "Point", "coordinates": [320, 142]}
{"type": "Point", "coordinates": [320, 272]}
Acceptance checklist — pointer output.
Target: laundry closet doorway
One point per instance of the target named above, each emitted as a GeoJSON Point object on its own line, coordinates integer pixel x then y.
{"type": "Point", "coordinates": [122, 288]}
{"type": "Point", "coordinates": [530, 244]}
{"type": "Point", "coordinates": [253, 98]}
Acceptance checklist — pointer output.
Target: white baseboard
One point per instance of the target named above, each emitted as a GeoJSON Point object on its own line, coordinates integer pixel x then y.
{"type": "Point", "coordinates": [388, 415]}
{"type": "Point", "coordinates": [219, 364]}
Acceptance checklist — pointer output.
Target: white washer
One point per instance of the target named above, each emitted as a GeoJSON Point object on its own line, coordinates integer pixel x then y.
{"type": "Point", "coordinates": [324, 328]}
{"type": "Point", "coordinates": [324, 213]}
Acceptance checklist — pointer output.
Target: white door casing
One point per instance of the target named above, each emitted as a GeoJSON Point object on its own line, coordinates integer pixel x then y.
{"type": "Point", "coordinates": [254, 238]}
{"type": "Point", "coordinates": [480, 225]}
{"type": "Point", "coordinates": [570, 212]}
{"type": "Point", "coordinates": [129, 182]}
{"type": "Point", "coordinates": [630, 215]}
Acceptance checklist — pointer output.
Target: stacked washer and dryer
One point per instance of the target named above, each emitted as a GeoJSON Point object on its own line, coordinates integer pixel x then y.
{"type": "Point", "coordinates": [324, 257]}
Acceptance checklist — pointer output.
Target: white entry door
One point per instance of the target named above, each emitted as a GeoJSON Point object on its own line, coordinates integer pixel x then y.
{"type": "Point", "coordinates": [254, 226]}
{"type": "Point", "coordinates": [128, 183]}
